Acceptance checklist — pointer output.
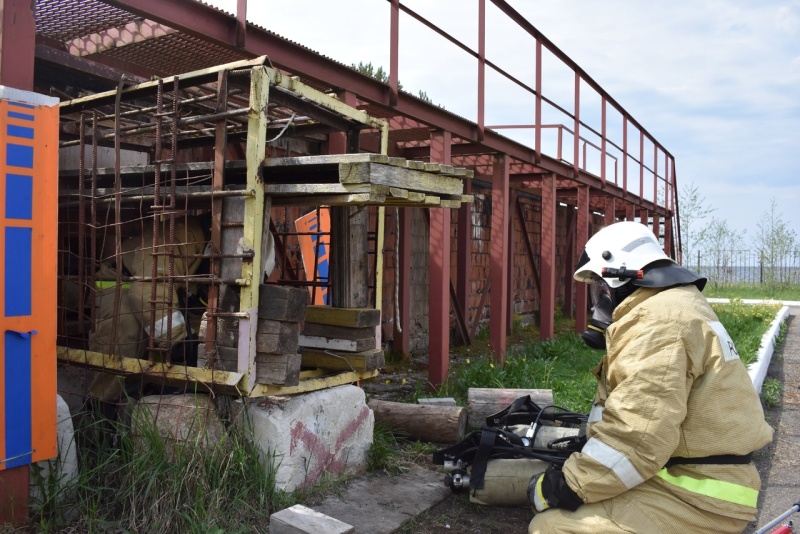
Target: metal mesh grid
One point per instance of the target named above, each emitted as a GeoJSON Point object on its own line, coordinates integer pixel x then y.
{"type": "Point", "coordinates": [63, 20]}
{"type": "Point", "coordinates": [174, 53]}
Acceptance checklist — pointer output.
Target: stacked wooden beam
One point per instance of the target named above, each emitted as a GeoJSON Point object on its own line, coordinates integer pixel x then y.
{"type": "Point", "coordinates": [280, 311]}
{"type": "Point", "coordinates": [343, 179]}
{"type": "Point", "coordinates": [341, 339]}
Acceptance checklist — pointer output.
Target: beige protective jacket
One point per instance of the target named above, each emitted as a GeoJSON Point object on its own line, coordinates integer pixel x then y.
{"type": "Point", "coordinates": [671, 385]}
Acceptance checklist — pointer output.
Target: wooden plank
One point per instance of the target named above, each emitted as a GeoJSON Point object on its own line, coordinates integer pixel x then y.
{"type": "Point", "coordinates": [352, 317]}
{"type": "Point", "coordinates": [316, 189]}
{"type": "Point", "coordinates": [330, 200]}
{"type": "Point", "coordinates": [416, 165]}
{"type": "Point", "coordinates": [282, 303]}
{"type": "Point", "coordinates": [277, 337]}
{"type": "Point", "coordinates": [311, 384]}
{"type": "Point", "coordinates": [278, 369]}
{"type": "Point", "coordinates": [340, 332]}
{"type": "Point", "coordinates": [332, 343]}
{"type": "Point", "coordinates": [483, 402]}
{"type": "Point", "coordinates": [325, 159]}
{"type": "Point", "coordinates": [454, 204]}
{"type": "Point", "coordinates": [368, 360]}
{"type": "Point", "coordinates": [392, 176]}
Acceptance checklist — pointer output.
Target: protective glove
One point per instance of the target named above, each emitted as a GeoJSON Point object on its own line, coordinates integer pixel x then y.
{"type": "Point", "coordinates": [550, 490]}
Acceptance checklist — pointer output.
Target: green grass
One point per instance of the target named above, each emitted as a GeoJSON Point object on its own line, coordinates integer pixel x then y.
{"type": "Point", "coordinates": [564, 364]}
{"type": "Point", "coordinates": [746, 324]}
{"type": "Point", "coordinates": [752, 291]}
{"type": "Point", "coordinates": [130, 483]}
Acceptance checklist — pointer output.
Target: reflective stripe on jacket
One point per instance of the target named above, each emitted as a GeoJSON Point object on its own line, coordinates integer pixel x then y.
{"type": "Point", "coordinates": [671, 385]}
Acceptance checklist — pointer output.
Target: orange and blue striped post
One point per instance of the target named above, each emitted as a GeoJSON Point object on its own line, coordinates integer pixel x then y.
{"type": "Point", "coordinates": [28, 256]}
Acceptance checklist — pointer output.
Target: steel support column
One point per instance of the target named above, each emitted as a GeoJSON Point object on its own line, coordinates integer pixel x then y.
{"type": "Point", "coordinates": [498, 272]}
{"type": "Point", "coordinates": [17, 44]}
{"type": "Point", "coordinates": [582, 236]}
{"type": "Point", "coordinates": [630, 211]}
{"type": "Point", "coordinates": [548, 258]}
{"type": "Point", "coordinates": [512, 197]}
{"type": "Point", "coordinates": [402, 324]}
{"type": "Point", "coordinates": [439, 275]}
{"type": "Point", "coordinates": [464, 255]}
{"type": "Point", "coordinates": [611, 211]}
{"type": "Point", "coordinates": [17, 52]}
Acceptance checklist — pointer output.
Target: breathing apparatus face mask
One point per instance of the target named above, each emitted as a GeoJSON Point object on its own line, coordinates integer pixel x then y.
{"type": "Point", "coordinates": [603, 304]}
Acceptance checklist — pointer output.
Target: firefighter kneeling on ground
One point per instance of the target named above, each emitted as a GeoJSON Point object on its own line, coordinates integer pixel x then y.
{"type": "Point", "coordinates": [125, 329]}
{"type": "Point", "coordinates": [675, 419]}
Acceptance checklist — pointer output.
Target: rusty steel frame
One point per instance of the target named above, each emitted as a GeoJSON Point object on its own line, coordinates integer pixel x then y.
{"type": "Point", "coordinates": [465, 140]}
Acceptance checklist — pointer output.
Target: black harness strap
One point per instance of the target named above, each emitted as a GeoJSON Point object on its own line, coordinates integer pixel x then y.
{"type": "Point", "coordinates": [719, 459]}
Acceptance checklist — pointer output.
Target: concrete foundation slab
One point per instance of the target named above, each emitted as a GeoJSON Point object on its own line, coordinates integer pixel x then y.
{"type": "Point", "coordinates": [380, 504]}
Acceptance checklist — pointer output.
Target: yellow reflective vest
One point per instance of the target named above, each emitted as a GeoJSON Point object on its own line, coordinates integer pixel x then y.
{"type": "Point", "coordinates": [671, 385]}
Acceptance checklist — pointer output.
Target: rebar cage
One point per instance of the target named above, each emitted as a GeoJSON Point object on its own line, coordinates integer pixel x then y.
{"type": "Point", "coordinates": [164, 226]}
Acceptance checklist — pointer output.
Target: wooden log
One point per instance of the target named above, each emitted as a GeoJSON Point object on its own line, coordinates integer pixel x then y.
{"type": "Point", "coordinates": [368, 360]}
{"type": "Point", "coordinates": [344, 345]}
{"type": "Point", "coordinates": [282, 303]}
{"type": "Point", "coordinates": [278, 369]}
{"type": "Point", "coordinates": [339, 332]}
{"type": "Point", "coordinates": [438, 424]}
{"type": "Point", "coordinates": [277, 337]}
{"type": "Point", "coordinates": [351, 317]}
{"type": "Point", "coordinates": [483, 402]}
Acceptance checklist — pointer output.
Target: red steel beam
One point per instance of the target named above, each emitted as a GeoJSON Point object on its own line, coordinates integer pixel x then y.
{"type": "Point", "coordinates": [498, 274]}
{"type": "Point", "coordinates": [17, 53]}
{"type": "Point", "coordinates": [481, 67]}
{"type": "Point", "coordinates": [17, 44]}
{"type": "Point", "coordinates": [548, 259]}
{"type": "Point", "coordinates": [582, 236]}
{"type": "Point", "coordinates": [464, 254]}
{"type": "Point", "coordinates": [611, 211]}
{"type": "Point", "coordinates": [569, 263]}
{"type": "Point", "coordinates": [210, 24]}
{"type": "Point", "coordinates": [439, 275]}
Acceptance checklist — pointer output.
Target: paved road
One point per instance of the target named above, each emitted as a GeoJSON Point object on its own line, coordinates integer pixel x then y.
{"type": "Point", "coordinates": [781, 468]}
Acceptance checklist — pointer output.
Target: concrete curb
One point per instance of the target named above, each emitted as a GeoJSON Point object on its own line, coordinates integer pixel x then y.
{"type": "Point", "coordinates": [758, 369]}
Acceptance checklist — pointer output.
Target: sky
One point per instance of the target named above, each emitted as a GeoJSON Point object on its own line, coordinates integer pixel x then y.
{"type": "Point", "coordinates": [716, 82]}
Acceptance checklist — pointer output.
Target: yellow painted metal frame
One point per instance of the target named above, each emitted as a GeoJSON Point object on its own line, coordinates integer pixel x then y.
{"type": "Point", "coordinates": [242, 383]}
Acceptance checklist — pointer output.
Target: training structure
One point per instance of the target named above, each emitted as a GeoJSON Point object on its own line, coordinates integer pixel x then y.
{"type": "Point", "coordinates": [418, 225]}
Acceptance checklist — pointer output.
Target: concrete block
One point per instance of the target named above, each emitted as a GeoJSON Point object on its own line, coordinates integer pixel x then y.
{"type": "Point", "coordinates": [300, 519]}
{"type": "Point", "coordinates": [179, 419]}
{"type": "Point", "coordinates": [311, 434]}
{"type": "Point", "coordinates": [64, 468]}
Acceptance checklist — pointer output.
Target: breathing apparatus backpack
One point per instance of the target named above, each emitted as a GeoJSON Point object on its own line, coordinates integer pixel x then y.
{"type": "Point", "coordinates": [514, 444]}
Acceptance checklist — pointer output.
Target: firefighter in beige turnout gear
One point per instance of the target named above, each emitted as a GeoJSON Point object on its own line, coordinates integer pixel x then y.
{"type": "Point", "coordinates": [128, 335]}
{"type": "Point", "coordinates": [675, 418]}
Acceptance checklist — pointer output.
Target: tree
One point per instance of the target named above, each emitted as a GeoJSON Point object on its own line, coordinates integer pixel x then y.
{"type": "Point", "coordinates": [692, 209]}
{"type": "Point", "coordinates": [383, 76]}
{"type": "Point", "coordinates": [775, 243]}
{"type": "Point", "coordinates": [721, 246]}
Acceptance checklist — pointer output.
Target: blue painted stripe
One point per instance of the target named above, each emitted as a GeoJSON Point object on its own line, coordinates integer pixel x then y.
{"type": "Point", "coordinates": [19, 197]}
{"type": "Point", "coordinates": [23, 116]}
{"type": "Point", "coordinates": [19, 156]}
{"type": "Point", "coordinates": [21, 104]}
{"type": "Point", "coordinates": [18, 272]}
{"type": "Point", "coordinates": [19, 131]}
{"type": "Point", "coordinates": [18, 399]}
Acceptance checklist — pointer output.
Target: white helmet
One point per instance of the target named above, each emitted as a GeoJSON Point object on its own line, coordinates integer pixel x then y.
{"type": "Point", "coordinates": [625, 248]}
